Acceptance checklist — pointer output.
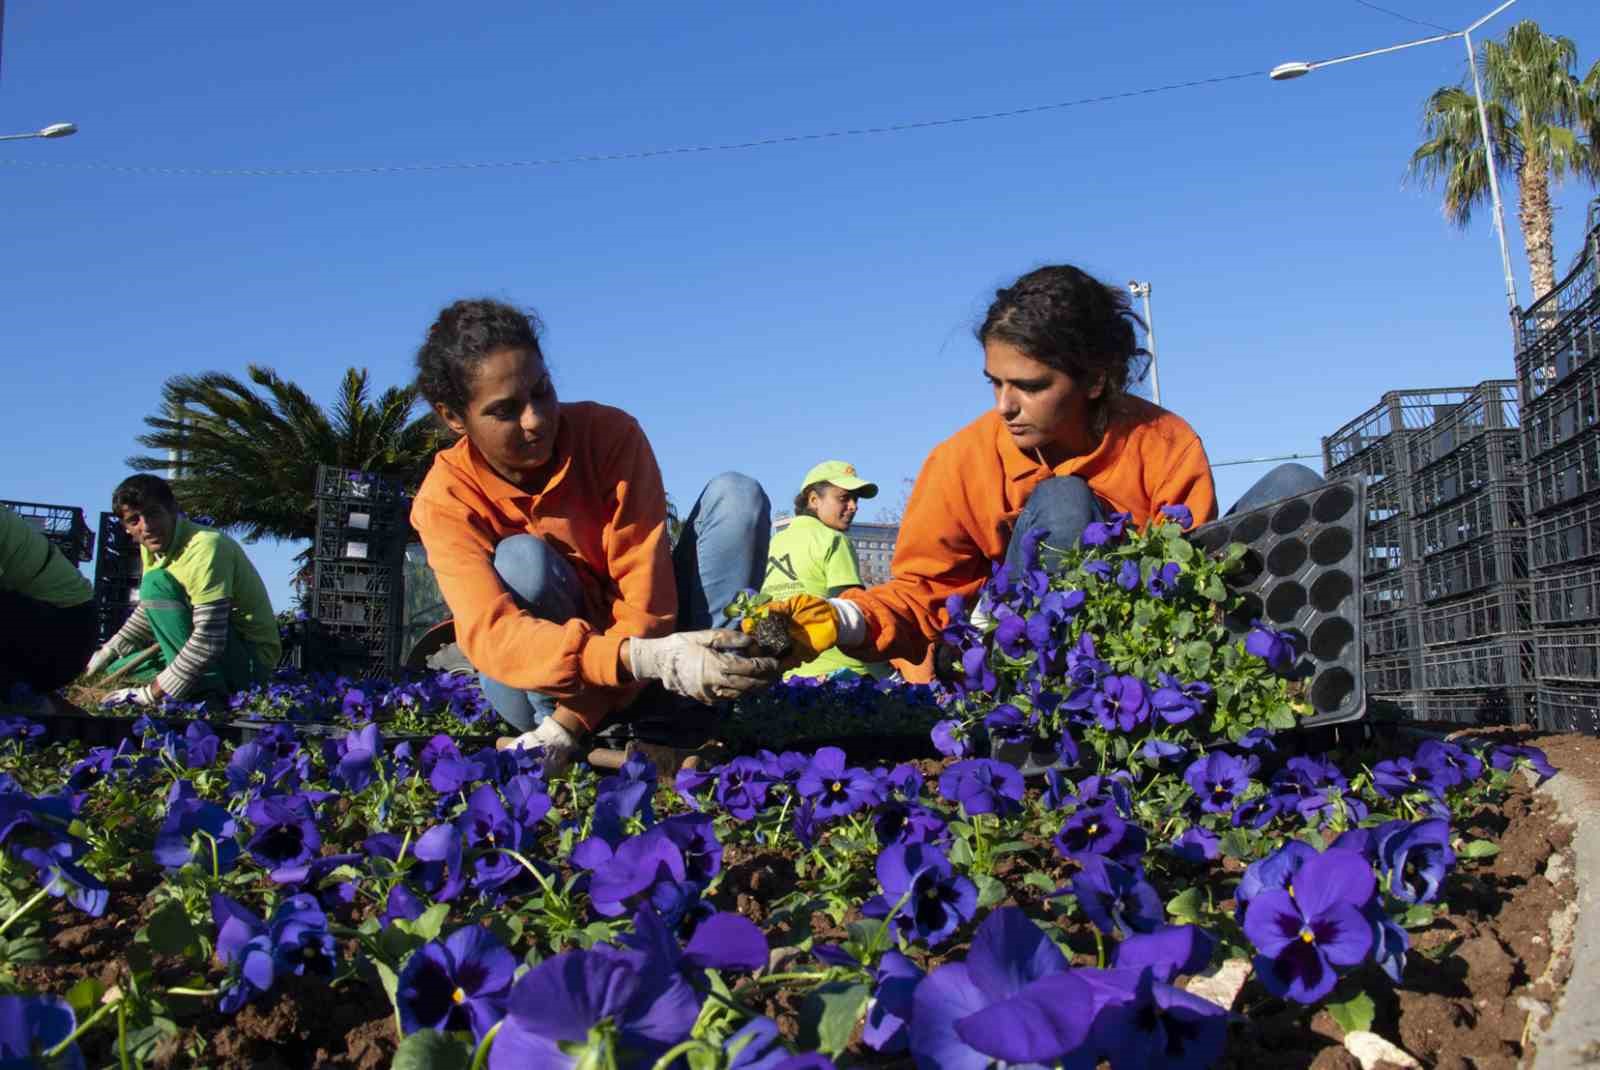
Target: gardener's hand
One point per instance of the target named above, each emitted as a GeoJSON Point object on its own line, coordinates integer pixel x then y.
{"type": "Point", "coordinates": [708, 666]}
{"type": "Point", "coordinates": [560, 746]}
{"type": "Point", "coordinates": [102, 657]}
{"type": "Point", "coordinates": [137, 696]}
{"type": "Point", "coordinates": [818, 624]}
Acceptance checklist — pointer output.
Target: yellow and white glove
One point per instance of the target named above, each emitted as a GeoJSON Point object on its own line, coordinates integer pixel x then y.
{"type": "Point", "coordinates": [708, 666]}
{"type": "Point", "coordinates": [818, 624]}
{"type": "Point", "coordinates": [139, 696]}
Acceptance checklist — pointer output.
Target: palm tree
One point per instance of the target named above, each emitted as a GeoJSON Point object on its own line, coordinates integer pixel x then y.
{"type": "Point", "coordinates": [247, 458]}
{"type": "Point", "coordinates": [1542, 123]}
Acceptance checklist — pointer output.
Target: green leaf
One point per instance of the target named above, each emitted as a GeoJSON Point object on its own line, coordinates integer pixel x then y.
{"type": "Point", "coordinates": [1480, 849]}
{"type": "Point", "coordinates": [1235, 844]}
{"type": "Point", "coordinates": [430, 924]}
{"type": "Point", "coordinates": [1182, 550]}
{"type": "Point", "coordinates": [1212, 590]}
{"type": "Point", "coordinates": [85, 996]}
{"type": "Point", "coordinates": [1354, 1014]}
{"type": "Point", "coordinates": [429, 1049]}
{"type": "Point", "coordinates": [961, 853]}
{"type": "Point", "coordinates": [1419, 916]}
{"type": "Point", "coordinates": [829, 1015]}
{"type": "Point", "coordinates": [1186, 906]}
{"type": "Point", "coordinates": [169, 931]}
{"type": "Point", "coordinates": [990, 890]}
{"type": "Point", "coordinates": [1035, 879]}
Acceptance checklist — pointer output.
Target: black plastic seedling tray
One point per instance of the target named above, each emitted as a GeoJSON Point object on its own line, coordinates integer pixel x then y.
{"type": "Point", "coordinates": [1301, 573]}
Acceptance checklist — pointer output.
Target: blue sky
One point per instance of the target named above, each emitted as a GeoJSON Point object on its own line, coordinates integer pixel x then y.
{"type": "Point", "coordinates": [760, 309]}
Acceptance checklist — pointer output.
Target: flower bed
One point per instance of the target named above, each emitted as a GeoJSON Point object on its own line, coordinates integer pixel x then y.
{"type": "Point", "coordinates": [301, 900]}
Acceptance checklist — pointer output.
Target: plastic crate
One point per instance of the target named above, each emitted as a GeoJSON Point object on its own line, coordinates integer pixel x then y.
{"type": "Point", "coordinates": [1395, 705]}
{"type": "Point", "coordinates": [1400, 672]}
{"type": "Point", "coordinates": [1504, 662]}
{"type": "Point", "coordinates": [113, 605]}
{"type": "Point", "coordinates": [62, 525]}
{"type": "Point", "coordinates": [1557, 333]}
{"type": "Point", "coordinates": [368, 648]}
{"type": "Point", "coordinates": [356, 610]}
{"type": "Point", "coordinates": [1492, 457]}
{"type": "Point", "coordinates": [1491, 406]}
{"type": "Point", "coordinates": [1565, 537]}
{"type": "Point", "coordinates": [360, 531]}
{"type": "Point", "coordinates": [1563, 413]}
{"type": "Point", "coordinates": [1397, 412]}
{"type": "Point", "coordinates": [1495, 559]}
{"type": "Point", "coordinates": [1567, 596]}
{"type": "Point", "coordinates": [1498, 507]}
{"type": "Point", "coordinates": [1503, 611]}
{"type": "Point", "coordinates": [1565, 474]}
{"type": "Point", "coordinates": [1569, 708]}
{"type": "Point", "coordinates": [1382, 470]}
{"type": "Point", "coordinates": [1388, 546]}
{"type": "Point", "coordinates": [356, 578]}
{"type": "Point", "coordinates": [1390, 592]}
{"type": "Point", "coordinates": [1480, 706]}
{"type": "Point", "coordinates": [1393, 633]}
{"type": "Point", "coordinates": [355, 485]}
{"type": "Point", "coordinates": [116, 554]}
{"type": "Point", "coordinates": [1569, 654]}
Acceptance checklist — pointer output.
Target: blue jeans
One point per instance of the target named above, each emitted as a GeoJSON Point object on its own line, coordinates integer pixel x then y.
{"type": "Point", "coordinates": [1064, 506]}
{"type": "Point", "coordinates": [721, 550]}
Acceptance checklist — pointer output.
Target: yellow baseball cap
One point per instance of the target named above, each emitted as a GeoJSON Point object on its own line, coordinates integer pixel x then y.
{"type": "Point", "coordinates": [840, 474]}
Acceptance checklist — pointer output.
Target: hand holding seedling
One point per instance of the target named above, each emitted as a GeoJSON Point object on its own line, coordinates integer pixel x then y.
{"type": "Point", "coordinates": [809, 621]}
{"type": "Point", "coordinates": [714, 665]}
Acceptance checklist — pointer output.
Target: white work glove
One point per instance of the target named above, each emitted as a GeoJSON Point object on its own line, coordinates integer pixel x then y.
{"type": "Point", "coordinates": [139, 696]}
{"type": "Point", "coordinates": [559, 745]}
{"type": "Point", "coordinates": [102, 657]}
{"type": "Point", "coordinates": [706, 666]}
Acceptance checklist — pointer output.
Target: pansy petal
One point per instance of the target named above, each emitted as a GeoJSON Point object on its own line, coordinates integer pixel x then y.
{"type": "Point", "coordinates": [1334, 876]}
{"type": "Point", "coordinates": [1043, 1023]}
{"type": "Point", "coordinates": [1009, 952]}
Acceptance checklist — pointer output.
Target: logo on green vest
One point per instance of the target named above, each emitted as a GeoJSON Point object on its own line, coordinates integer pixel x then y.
{"type": "Point", "coordinates": [783, 565]}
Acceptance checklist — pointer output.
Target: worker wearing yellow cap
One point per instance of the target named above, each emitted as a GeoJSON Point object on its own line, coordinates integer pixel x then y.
{"type": "Point", "coordinates": [812, 554]}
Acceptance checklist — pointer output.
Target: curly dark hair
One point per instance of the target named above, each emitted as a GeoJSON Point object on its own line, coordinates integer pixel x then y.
{"type": "Point", "coordinates": [802, 501]}
{"type": "Point", "coordinates": [137, 492]}
{"type": "Point", "coordinates": [1064, 317]}
{"type": "Point", "coordinates": [464, 334]}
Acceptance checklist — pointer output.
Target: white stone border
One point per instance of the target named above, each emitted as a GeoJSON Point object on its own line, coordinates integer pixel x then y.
{"type": "Point", "coordinates": [1572, 1040]}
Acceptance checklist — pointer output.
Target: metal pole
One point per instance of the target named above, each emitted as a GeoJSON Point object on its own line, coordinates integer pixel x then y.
{"type": "Point", "coordinates": [1494, 180]}
{"type": "Point", "coordinates": [1150, 334]}
{"type": "Point", "coordinates": [1142, 289]}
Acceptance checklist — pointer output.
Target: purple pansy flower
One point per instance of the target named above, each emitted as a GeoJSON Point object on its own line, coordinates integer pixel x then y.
{"type": "Point", "coordinates": [1128, 576]}
{"type": "Point", "coordinates": [983, 786]}
{"type": "Point", "coordinates": [1302, 937]}
{"type": "Point", "coordinates": [1121, 702]}
{"type": "Point", "coordinates": [1115, 897]}
{"type": "Point", "coordinates": [459, 983]}
{"type": "Point", "coordinates": [1101, 532]}
{"type": "Point", "coordinates": [936, 898]}
{"type": "Point", "coordinates": [834, 788]}
{"type": "Point", "coordinates": [30, 1025]}
{"type": "Point", "coordinates": [1179, 514]}
{"type": "Point", "coordinates": [1280, 650]}
{"type": "Point", "coordinates": [1416, 858]}
{"type": "Point", "coordinates": [1217, 780]}
{"type": "Point", "coordinates": [1163, 580]}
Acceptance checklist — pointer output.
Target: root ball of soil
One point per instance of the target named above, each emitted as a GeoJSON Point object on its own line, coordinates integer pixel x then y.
{"type": "Point", "coordinates": [771, 634]}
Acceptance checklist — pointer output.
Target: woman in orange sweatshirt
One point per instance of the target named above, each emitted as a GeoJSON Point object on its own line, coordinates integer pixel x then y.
{"type": "Point", "coordinates": [546, 526]}
{"type": "Point", "coordinates": [1064, 446]}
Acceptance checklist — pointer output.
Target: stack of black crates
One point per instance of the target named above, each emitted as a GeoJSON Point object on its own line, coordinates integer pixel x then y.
{"type": "Point", "coordinates": [1558, 340]}
{"type": "Point", "coordinates": [362, 529]}
{"type": "Point", "coordinates": [117, 572]}
{"type": "Point", "coordinates": [1376, 448]}
{"type": "Point", "coordinates": [62, 525]}
{"type": "Point", "coordinates": [1469, 528]}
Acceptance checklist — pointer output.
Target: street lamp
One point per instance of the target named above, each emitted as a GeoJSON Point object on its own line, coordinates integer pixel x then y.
{"type": "Point", "coordinates": [1284, 72]}
{"type": "Point", "coordinates": [53, 130]}
{"type": "Point", "coordinates": [1142, 289]}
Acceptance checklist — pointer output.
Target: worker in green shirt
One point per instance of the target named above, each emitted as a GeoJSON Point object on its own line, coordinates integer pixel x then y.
{"type": "Point", "coordinates": [48, 609]}
{"type": "Point", "coordinates": [200, 601]}
{"type": "Point", "coordinates": [812, 554]}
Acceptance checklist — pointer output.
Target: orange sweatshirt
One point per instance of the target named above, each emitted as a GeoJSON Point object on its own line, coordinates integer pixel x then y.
{"type": "Point", "coordinates": [604, 510]}
{"type": "Point", "coordinates": [971, 490]}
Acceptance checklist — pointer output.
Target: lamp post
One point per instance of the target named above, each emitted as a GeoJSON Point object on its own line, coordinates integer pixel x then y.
{"type": "Point", "coordinates": [1142, 289]}
{"type": "Point", "coordinates": [1298, 69]}
{"type": "Point", "coordinates": [51, 131]}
